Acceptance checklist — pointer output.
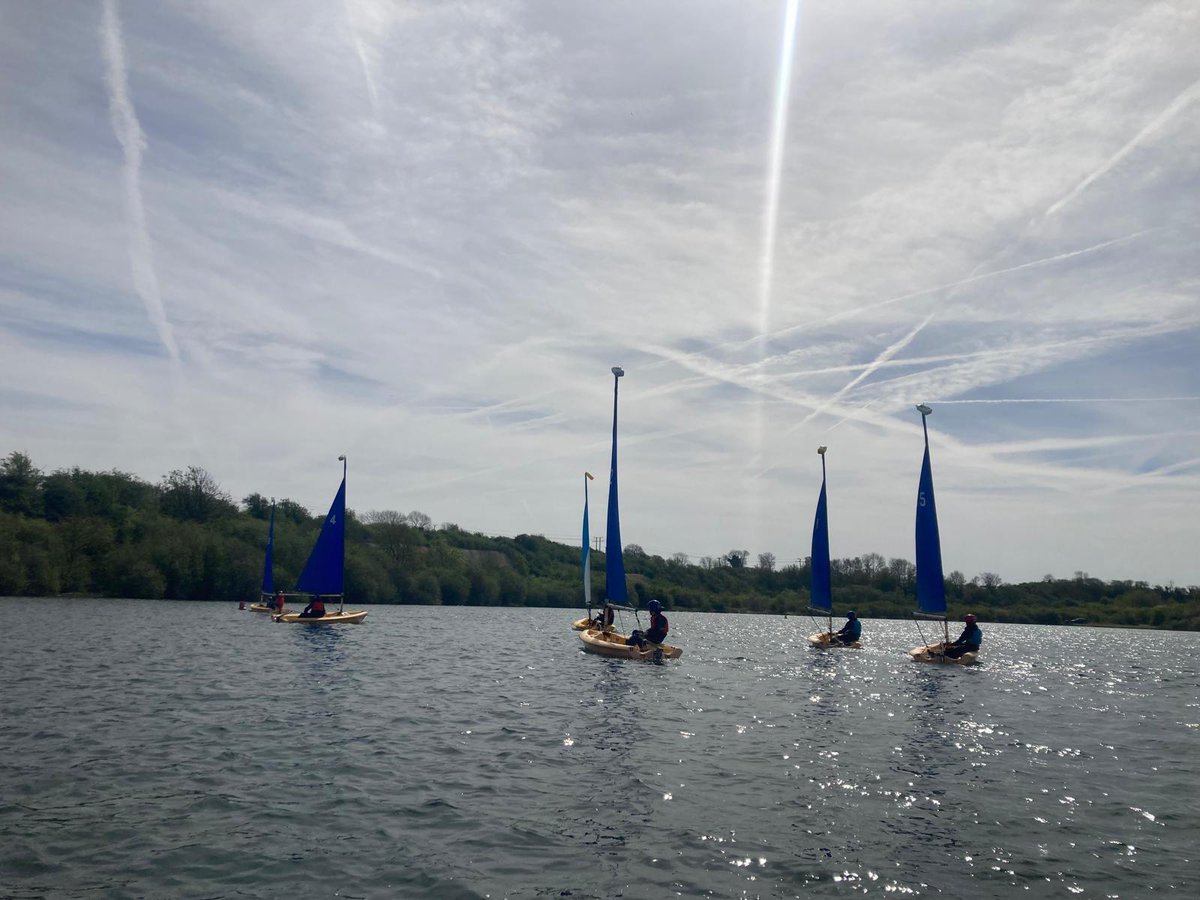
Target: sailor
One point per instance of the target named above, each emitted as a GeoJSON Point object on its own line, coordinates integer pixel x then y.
{"type": "Point", "coordinates": [604, 619]}
{"type": "Point", "coordinates": [315, 609]}
{"type": "Point", "coordinates": [968, 642]}
{"type": "Point", "coordinates": [850, 632]}
{"type": "Point", "coordinates": [277, 603]}
{"type": "Point", "coordinates": [657, 632]}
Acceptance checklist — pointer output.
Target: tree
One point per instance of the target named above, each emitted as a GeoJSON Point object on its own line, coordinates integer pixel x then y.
{"type": "Point", "coordinates": [680, 559]}
{"type": "Point", "coordinates": [194, 496]}
{"type": "Point", "coordinates": [737, 558]}
{"type": "Point", "coordinates": [990, 580]}
{"type": "Point", "coordinates": [418, 519]}
{"type": "Point", "coordinates": [257, 505]}
{"type": "Point", "coordinates": [292, 511]}
{"type": "Point", "coordinates": [766, 562]}
{"type": "Point", "coordinates": [634, 550]}
{"type": "Point", "coordinates": [20, 485]}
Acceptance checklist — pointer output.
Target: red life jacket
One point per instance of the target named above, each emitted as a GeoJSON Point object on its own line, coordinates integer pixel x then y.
{"type": "Point", "coordinates": [659, 624]}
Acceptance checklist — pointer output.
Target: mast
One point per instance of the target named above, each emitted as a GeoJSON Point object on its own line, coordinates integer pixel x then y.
{"type": "Point", "coordinates": [614, 563]}
{"type": "Point", "coordinates": [931, 587]}
{"type": "Point", "coordinates": [587, 541]}
{"type": "Point", "coordinates": [268, 579]}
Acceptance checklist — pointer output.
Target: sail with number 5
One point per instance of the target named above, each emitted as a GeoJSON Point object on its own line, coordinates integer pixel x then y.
{"type": "Point", "coordinates": [931, 587]}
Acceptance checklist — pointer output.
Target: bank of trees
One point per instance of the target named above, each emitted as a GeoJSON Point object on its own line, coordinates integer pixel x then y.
{"type": "Point", "coordinates": [111, 534]}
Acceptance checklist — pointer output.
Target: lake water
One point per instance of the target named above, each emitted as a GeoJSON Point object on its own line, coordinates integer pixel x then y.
{"type": "Point", "coordinates": [161, 749]}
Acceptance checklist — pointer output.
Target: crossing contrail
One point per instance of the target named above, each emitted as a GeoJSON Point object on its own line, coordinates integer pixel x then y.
{"type": "Point", "coordinates": [133, 143]}
{"type": "Point", "coordinates": [1172, 110]}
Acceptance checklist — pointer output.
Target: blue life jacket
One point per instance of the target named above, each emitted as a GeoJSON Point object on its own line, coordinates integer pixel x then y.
{"type": "Point", "coordinates": [972, 636]}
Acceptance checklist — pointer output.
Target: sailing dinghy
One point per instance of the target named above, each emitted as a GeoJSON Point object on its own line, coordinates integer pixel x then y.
{"type": "Point", "coordinates": [931, 587]}
{"type": "Point", "coordinates": [612, 643]}
{"type": "Point", "coordinates": [324, 574]}
{"type": "Point", "coordinates": [821, 592]}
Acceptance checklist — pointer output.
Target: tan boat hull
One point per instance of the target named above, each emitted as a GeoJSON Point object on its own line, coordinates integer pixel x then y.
{"type": "Point", "coordinates": [608, 643]}
{"type": "Point", "coordinates": [821, 640]}
{"type": "Point", "coordinates": [931, 653]}
{"type": "Point", "coordinates": [349, 617]}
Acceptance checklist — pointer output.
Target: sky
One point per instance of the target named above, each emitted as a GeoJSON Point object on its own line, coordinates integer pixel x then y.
{"type": "Point", "coordinates": [252, 237]}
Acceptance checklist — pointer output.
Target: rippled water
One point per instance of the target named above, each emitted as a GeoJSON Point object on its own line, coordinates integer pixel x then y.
{"type": "Point", "coordinates": [156, 749]}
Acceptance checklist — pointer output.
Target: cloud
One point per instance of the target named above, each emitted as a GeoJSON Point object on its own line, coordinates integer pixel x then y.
{"type": "Point", "coordinates": [421, 234]}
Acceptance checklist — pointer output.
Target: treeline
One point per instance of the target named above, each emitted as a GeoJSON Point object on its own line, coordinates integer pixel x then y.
{"type": "Point", "coordinates": [111, 534]}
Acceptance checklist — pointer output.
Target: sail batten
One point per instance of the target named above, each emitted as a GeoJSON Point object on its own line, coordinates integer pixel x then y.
{"type": "Point", "coordinates": [324, 573]}
{"type": "Point", "coordinates": [614, 562]}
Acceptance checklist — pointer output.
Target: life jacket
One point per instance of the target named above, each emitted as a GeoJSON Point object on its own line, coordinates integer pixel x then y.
{"type": "Point", "coordinates": [658, 627]}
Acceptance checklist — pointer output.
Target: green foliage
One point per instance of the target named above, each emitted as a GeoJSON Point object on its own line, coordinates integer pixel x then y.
{"type": "Point", "coordinates": [111, 534]}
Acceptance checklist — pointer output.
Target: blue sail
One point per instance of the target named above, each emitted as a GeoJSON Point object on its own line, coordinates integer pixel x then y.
{"type": "Point", "coordinates": [614, 563]}
{"type": "Point", "coordinates": [587, 554]}
{"type": "Point", "coordinates": [268, 582]}
{"type": "Point", "coordinates": [931, 589]}
{"type": "Point", "coordinates": [822, 596]}
{"type": "Point", "coordinates": [324, 573]}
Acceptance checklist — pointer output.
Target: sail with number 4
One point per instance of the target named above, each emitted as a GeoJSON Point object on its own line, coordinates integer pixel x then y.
{"type": "Point", "coordinates": [931, 587]}
{"type": "Point", "coordinates": [324, 574]}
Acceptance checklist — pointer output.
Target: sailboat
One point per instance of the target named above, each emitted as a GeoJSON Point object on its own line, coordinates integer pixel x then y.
{"type": "Point", "coordinates": [605, 642]}
{"type": "Point", "coordinates": [821, 592]}
{"type": "Point", "coordinates": [586, 621]}
{"type": "Point", "coordinates": [268, 579]}
{"type": "Point", "coordinates": [324, 574]}
{"type": "Point", "coordinates": [931, 586]}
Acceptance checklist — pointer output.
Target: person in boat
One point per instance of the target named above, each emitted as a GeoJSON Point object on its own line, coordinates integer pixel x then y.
{"type": "Point", "coordinates": [276, 603]}
{"type": "Point", "coordinates": [656, 633]}
{"type": "Point", "coordinates": [968, 642]}
{"type": "Point", "coordinates": [604, 619]}
{"type": "Point", "coordinates": [850, 632]}
{"type": "Point", "coordinates": [314, 610]}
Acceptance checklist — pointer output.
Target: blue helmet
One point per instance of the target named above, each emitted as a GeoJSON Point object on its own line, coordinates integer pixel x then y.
{"type": "Point", "coordinates": [852, 615]}
{"type": "Point", "coordinates": [654, 606]}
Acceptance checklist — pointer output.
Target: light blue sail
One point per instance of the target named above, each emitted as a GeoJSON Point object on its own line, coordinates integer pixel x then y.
{"type": "Point", "coordinates": [821, 599]}
{"type": "Point", "coordinates": [324, 573]}
{"type": "Point", "coordinates": [931, 588]}
{"type": "Point", "coordinates": [614, 562]}
{"type": "Point", "coordinates": [268, 579]}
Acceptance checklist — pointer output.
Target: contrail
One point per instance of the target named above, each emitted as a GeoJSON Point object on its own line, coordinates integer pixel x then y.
{"type": "Point", "coordinates": [866, 373]}
{"type": "Point", "coordinates": [133, 142]}
{"type": "Point", "coordinates": [1161, 119]}
{"type": "Point", "coordinates": [361, 49]}
{"type": "Point", "coordinates": [1075, 400]}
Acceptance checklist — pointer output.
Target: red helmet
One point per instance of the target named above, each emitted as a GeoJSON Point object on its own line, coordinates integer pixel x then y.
{"type": "Point", "coordinates": [969, 618]}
